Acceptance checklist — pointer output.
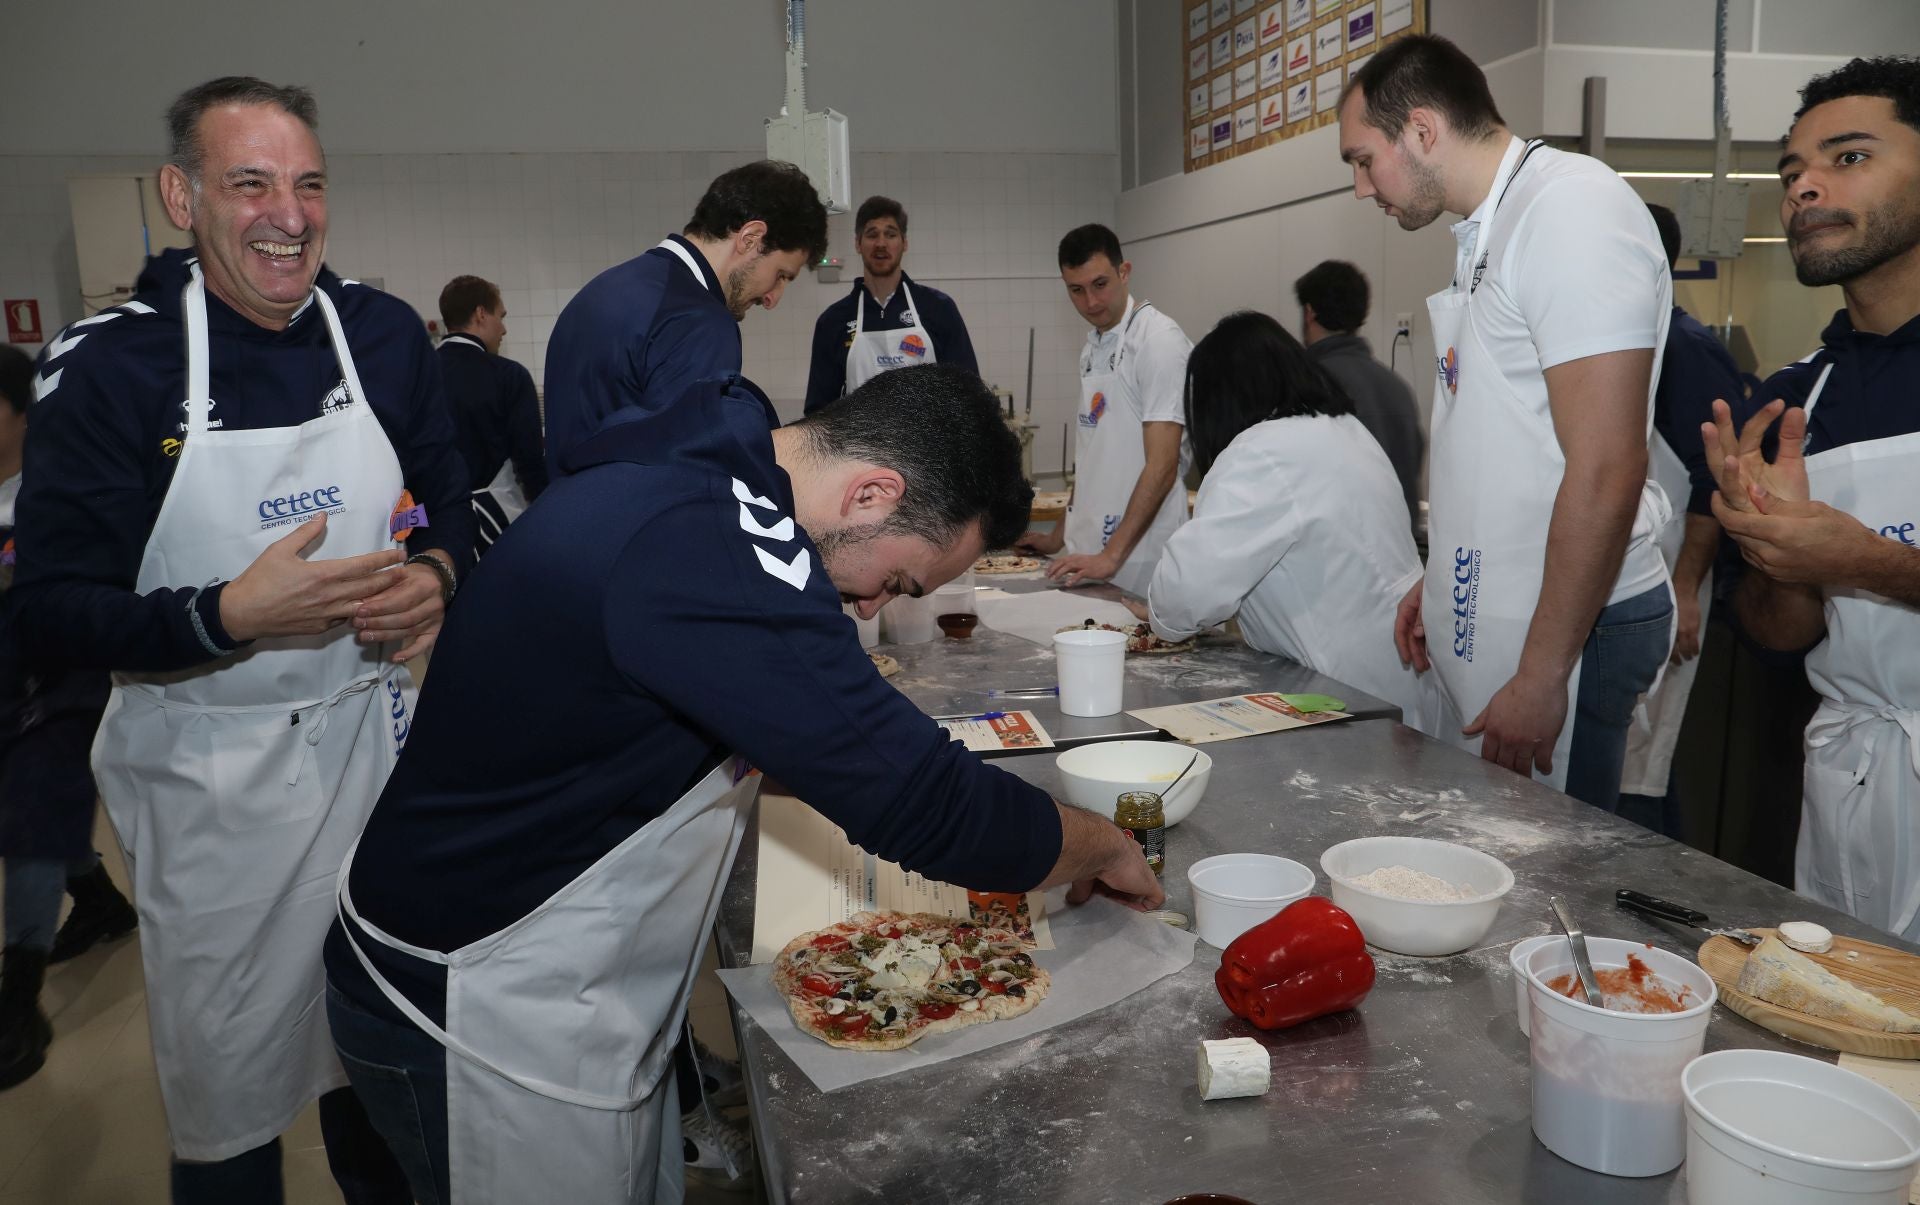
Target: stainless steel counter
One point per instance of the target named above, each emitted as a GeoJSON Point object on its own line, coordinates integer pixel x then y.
{"type": "Point", "coordinates": [1420, 1095]}
{"type": "Point", "coordinates": [951, 677]}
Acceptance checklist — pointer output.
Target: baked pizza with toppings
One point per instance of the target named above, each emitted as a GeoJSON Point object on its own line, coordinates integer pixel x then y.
{"type": "Point", "coordinates": [1006, 562]}
{"type": "Point", "coordinates": [1140, 637]}
{"type": "Point", "coordinates": [884, 980]}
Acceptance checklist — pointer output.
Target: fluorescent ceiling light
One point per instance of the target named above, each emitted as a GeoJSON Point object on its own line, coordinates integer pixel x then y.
{"type": "Point", "coordinates": [1773, 239]}
{"type": "Point", "coordinates": [1698, 175]}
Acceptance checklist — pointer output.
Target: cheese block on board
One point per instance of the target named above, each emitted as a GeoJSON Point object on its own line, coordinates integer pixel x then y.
{"type": "Point", "coordinates": [1779, 976]}
{"type": "Point", "coordinates": [1232, 1067]}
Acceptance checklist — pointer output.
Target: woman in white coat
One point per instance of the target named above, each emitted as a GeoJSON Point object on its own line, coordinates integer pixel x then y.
{"type": "Point", "coordinates": [1300, 528]}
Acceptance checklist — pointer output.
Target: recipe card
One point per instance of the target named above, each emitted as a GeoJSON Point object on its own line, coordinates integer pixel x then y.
{"type": "Point", "coordinates": [810, 876]}
{"type": "Point", "coordinates": [1235, 716]}
{"type": "Point", "coordinates": [999, 731]}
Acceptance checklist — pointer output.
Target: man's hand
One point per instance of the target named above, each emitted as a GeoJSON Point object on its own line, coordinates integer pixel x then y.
{"type": "Point", "coordinates": [284, 594]}
{"type": "Point", "coordinates": [1520, 724]}
{"type": "Point", "coordinates": [1097, 855]}
{"type": "Point", "coordinates": [1742, 470]}
{"type": "Point", "coordinates": [1807, 543]}
{"type": "Point", "coordinates": [1045, 543]}
{"type": "Point", "coordinates": [1410, 633]}
{"type": "Point", "coordinates": [1686, 629]}
{"type": "Point", "coordinates": [409, 607]}
{"type": "Point", "coordinates": [1127, 878]}
{"type": "Point", "coordinates": [1138, 608]}
{"type": "Point", "coordinates": [1083, 568]}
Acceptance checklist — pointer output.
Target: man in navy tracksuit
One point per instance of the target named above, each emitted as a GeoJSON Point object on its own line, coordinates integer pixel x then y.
{"type": "Point", "coordinates": [634, 339]}
{"type": "Point", "coordinates": [213, 482]}
{"type": "Point", "coordinates": [887, 321]}
{"type": "Point", "coordinates": [672, 602]}
{"type": "Point", "coordinates": [496, 411]}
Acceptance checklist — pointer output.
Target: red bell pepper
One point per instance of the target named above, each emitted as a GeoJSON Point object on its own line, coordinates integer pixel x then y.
{"type": "Point", "coordinates": [1306, 961]}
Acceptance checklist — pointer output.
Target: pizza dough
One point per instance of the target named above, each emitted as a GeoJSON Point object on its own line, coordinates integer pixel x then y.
{"type": "Point", "coordinates": [1140, 637]}
{"type": "Point", "coordinates": [887, 666]}
{"type": "Point", "coordinates": [1006, 562]}
{"type": "Point", "coordinates": [884, 980]}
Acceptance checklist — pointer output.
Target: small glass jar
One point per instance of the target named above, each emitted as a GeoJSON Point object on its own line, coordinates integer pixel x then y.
{"type": "Point", "coordinates": [1144, 817]}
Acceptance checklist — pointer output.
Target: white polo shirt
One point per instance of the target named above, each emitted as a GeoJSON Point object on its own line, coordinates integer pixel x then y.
{"type": "Point", "coordinates": [1574, 268]}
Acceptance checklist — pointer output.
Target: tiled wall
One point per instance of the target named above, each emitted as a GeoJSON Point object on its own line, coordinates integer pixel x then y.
{"type": "Point", "coordinates": [983, 227]}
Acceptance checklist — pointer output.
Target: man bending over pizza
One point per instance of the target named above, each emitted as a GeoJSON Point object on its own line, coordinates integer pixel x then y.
{"type": "Point", "coordinates": [525, 912]}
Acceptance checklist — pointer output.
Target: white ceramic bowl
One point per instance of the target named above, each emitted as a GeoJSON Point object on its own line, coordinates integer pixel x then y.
{"type": "Point", "coordinates": [1234, 892]}
{"type": "Point", "coordinates": [1097, 775]}
{"type": "Point", "coordinates": [1767, 1128]}
{"type": "Point", "coordinates": [1420, 927]}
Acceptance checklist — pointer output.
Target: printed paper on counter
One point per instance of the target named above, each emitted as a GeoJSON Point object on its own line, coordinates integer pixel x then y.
{"type": "Point", "coordinates": [1012, 730]}
{"type": "Point", "coordinates": [810, 876]}
{"type": "Point", "coordinates": [1228, 718]}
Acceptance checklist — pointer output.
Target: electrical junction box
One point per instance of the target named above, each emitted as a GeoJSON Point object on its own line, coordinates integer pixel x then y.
{"type": "Point", "coordinates": [1713, 220]}
{"type": "Point", "coordinates": [817, 143]}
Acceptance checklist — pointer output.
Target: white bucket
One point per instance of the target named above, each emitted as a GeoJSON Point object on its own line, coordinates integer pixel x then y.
{"type": "Point", "coordinates": [1092, 668]}
{"type": "Point", "coordinates": [869, 629]}
{"type": "Point", "coordinates": [1606, 1085]}
{"type": "Point", "coordinates": [1766, 1128]}
{"type": "Point", "coordinates": [1234, 892]}
{"type": "Point", "coordinates": [908, 620]}
{"type": "Point", "coordinates": [1517, 962]}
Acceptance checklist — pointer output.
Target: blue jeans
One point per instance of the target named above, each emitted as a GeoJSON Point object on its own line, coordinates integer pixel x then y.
{"type": "Point", "coordinates": [400, 1075]}
{"type": "Point", "coordinates": [1623, 655]}
{"type": "Point", "coordinates": [35, 887]}
{"type": "Point", "coordinates": [361, 1164]}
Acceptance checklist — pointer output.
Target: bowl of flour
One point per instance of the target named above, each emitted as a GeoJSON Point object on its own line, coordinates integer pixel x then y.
{"type": "Point", "coordinates": [1410, 895]}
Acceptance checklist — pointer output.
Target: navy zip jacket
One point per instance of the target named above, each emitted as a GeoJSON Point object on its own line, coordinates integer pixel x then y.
{"type": "Point", "coordinates": [833, 334]}
{"type": "Point", "coordinates": [1695, 370]}
{"type": "Point", "coordinates": [496, 414]}
{"type": "Point", "coordinates": [632, 341]}
{"type": "Point", "coordinates": [106, 432]}
{"type": "Point", "coordinates": [655, 613]}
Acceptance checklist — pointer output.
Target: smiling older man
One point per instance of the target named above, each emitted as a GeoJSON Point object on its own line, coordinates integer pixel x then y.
{"type": "Point", "coordinates": [232, 557]}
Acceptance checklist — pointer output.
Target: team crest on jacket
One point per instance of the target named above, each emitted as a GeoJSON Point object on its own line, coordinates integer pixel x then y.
{"type": "Point", "coordinates": [339, 399]}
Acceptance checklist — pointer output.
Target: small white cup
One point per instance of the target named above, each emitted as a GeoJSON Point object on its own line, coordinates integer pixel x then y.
{"type": "Point", "coordinates": [909, 620]}
{"type": "Point", "coordinates": [1092, 668]}
{"type": "Point", "coordinates": [869, 628]}
{"type": "Point", "coordinates": [1517, 962]}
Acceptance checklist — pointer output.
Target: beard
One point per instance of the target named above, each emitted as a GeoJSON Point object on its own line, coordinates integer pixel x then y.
{"type": "Point", "coordinates": [1429, 199]}
{"type": "Point", "coordinates": [739, 298]}
{"type": "Point", "coordinates": [1886, 232]}
{"type": "Point", "coordinates": [833, 546]}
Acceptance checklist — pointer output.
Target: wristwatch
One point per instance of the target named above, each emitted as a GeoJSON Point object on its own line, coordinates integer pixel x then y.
{"type": "Point", "coordinates": [448, 586]}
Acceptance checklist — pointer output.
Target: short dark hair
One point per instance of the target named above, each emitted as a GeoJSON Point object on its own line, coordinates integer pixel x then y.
{"type": "Point", "coordinates": [1246, 370]}
{"type": "Point", "coordinates": [1082, 243]}
{"type": "Point", "coordinates": [1425, 71]}
{"type": "Point", "coordinates": [769, 191]}
{"type": "Point", "coordinates": [462, 296]}
{"type": "Point", "coordinates": [184, 114]}
{"type": "Point", "coordinates": [1669, 227]}
{"type": "Point", "coordinates": [879, 207]}
{"type": "Point", "coordinates": [940, 428]}
{"type": "Point", "coordinates": [16, 378]}
{"type": "Point", "coordinates": [1895, 77]}
{"type": "Point", "coordinates": [1338, 293]}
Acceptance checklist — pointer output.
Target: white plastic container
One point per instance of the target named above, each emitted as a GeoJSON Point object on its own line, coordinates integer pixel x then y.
{"type": "Point", "coordinates": [1234, 892]}
{"type": "Point", "coordinates": [1096, 775]}
{"type": "Point", "coordinates": [1421, 927]}
{"type": "Point", "coordinates": [908, 620]}
{"type": "Point", "coordinates": [1517, 963]}
{"type": "Point", "coordinates": [1606, 1085]}
{"type": "Point", "coordinates": [1092, 667]}
{"type": "Point", "coordinates": [1766, 1128]}
{"type": "Point", "coordinates": [869, 628]}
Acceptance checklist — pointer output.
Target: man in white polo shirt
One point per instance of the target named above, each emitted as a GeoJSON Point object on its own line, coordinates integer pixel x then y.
{"type": "Point", "coordinates": [1546, 598]}
{"type": "Point", "coordinates": [1127, 498]}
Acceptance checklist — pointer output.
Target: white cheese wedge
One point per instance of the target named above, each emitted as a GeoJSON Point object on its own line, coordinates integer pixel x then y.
{"type": "Point", "coordinates": [1234, 1067]}
{"type": "Point", "coordinates": [1779, 976]}
{"type": "Point", "coordinates": [903, 962]}
{"type": "Point", "coordinates": [1807, 936]}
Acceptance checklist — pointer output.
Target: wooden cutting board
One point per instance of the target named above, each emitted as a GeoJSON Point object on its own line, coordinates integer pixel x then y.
{"type": "Point", "coordinates": [1893, 975]}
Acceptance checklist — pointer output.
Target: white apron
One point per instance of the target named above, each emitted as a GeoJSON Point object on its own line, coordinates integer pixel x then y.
{"type": "Point", "coordinates": [1495, 468]}
{"type": "Point", "coordinates": [1656, 722]}
{"type": "Point", "coordinates": [874, 352]}
{"type": "Point", "coordinates": [1859, 847]}
{"type": "Point", "coordinates": [1109, 456]}
{"type": "Point", "coordinates": [235, 788]}
{"type": "Point", "coordinates": [564, 1023]}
